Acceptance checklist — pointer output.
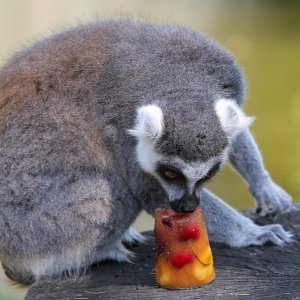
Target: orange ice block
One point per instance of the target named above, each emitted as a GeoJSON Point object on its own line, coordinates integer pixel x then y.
{"type": "Point", "coordinates": [183, 255]}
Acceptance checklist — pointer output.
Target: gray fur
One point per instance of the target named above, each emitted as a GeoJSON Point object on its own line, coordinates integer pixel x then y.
{"type": "Point", "coordinates": [204, 137]}
{"type": "Point", "coordinates": [226, 225]}
{"type": "Point", "coordinates": [246, 158]}
{"type": "Point", "coordinates": [70, 184]}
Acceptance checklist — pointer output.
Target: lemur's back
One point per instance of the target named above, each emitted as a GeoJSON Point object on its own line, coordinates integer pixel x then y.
{"type": "Point", "coordinates": [67, 65]}
{"type": "Point", "coordinates": [47, 99]}
{"type": "Point", "coordinates": [88, 81]}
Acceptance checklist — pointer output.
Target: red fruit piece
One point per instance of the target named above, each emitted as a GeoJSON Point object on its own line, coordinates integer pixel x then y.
{"type": "Point", "coordinates": [179, 259]}
{"type": "Point", "coordinates": [189, 232]}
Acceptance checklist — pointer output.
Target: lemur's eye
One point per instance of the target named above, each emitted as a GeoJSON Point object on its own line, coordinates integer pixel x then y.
{"type": "Point", "coordinates": [170, 174]}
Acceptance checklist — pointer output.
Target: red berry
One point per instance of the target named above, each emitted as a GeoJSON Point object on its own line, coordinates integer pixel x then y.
{"type": "Point", "coordinates": [179, 259]}
{"type": "Point", "coordinates": [189, 232]}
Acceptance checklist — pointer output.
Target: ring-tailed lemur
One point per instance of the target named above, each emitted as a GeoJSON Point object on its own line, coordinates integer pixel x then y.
{"type": "Point", "coordinates": [103, 120]}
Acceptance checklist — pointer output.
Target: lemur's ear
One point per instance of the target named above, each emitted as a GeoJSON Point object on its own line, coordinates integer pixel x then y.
{"type": "Point", "coordinates": [232, 118]}
{"type": "Point", "coordinates": [149, 122]}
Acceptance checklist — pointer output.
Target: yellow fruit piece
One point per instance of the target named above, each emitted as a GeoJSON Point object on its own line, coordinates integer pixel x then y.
{"type": "Point", "coordinates": [204, 256]}
{"type": "Point", "coordinates": [191, 275]}
{"type": "Point", "coordinates": [204, 274]}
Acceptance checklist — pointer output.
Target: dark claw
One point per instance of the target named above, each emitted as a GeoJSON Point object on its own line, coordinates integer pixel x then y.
{"type": "Point", "coordinates": [258, 210]}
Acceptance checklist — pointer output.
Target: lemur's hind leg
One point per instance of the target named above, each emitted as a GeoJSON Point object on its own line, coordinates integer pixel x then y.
{"type": "Point", "coordinates": [77, 225]}
{"type": "Point", "coordinates": [247, 160]}
{"type": "Point", "coordinates": [226, 225]}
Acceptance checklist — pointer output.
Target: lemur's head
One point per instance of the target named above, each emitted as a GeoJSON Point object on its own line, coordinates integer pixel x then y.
{"type": "Point", "coordinates": [184, 152]}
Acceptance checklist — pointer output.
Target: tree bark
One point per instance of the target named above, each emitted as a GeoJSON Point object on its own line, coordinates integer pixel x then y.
{"type": "Point", "coordinates": [267, 272]}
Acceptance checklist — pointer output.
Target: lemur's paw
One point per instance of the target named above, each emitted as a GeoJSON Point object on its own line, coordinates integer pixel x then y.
{"type": "Point", "coordinates": [118, 253]}
{"type": "Point", "coordinates": [132, 238]}
{"type": "Point", "coordinates": [259, 235]}
{"type": "Point", "coordinates": [272, 233]}
{"type": "Point", "coordinates": [271, 199]}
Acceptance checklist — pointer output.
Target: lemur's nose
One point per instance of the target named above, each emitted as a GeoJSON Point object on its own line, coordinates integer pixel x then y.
{"type": "Point", "coordinates": [187, 204]}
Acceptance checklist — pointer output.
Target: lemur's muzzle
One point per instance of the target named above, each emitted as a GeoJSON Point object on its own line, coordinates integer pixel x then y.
{"type": "Point", "coordinates": [187, 204]}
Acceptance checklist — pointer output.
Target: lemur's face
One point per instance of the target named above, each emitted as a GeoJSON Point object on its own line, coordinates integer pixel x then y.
{"type": "Point", "coordinates": [183, 157]}
{"type": "Point", "coordinates": [182, 180]}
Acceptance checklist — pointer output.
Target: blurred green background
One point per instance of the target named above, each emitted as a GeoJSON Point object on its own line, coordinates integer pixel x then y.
{"type": "Point", "coordinates": [263, 35]}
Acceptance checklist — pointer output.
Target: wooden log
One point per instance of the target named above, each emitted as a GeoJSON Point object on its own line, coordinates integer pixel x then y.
{"type": "Point", "coordinates": [268, 272]}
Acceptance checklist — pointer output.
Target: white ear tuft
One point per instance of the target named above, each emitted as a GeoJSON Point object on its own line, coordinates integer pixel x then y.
{"type": "Point", "coordinates": [232, 118]}
{"type": "Point", "coordinates": [149, 122]}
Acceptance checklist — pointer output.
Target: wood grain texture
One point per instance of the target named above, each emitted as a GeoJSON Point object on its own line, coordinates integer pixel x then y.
{"type": "Point", "coordinates": [268, 272]}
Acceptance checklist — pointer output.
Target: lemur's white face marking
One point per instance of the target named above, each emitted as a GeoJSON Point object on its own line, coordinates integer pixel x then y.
{"type": "Point", "coordinates": [232, 118]}
{"type": "Point", "coordinates": [177, 176]}
{"type": "Point", "coordinates": [149, 127]}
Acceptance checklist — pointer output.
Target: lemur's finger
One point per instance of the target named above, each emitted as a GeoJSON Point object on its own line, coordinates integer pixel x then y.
{"type": "Point", "coordinates": [279, 232]}
{"type": "Point", "coordinates": [271, 212]}
{"type": "Point", "coordinates": [270, 237]}
{"type": "Point", "coordinates": [286, 201]}
{"type": "Point", "coordinates": [276, 207]}
{"type": "Point", "coordinates": [271, 215]}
